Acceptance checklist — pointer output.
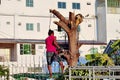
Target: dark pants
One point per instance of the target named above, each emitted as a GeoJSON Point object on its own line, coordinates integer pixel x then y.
{"type": "Point", "coordinates": [51, 56]}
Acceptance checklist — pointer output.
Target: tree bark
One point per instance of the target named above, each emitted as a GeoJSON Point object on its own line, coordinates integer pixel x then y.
{"type": "Point", "coordinates": [70, 27]}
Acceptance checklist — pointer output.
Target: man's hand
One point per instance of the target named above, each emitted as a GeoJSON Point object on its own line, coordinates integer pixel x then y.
{"type": "Point", "coordinates": [60, 50]}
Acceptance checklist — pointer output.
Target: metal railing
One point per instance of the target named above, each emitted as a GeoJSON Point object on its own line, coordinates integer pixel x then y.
{"type": "Point", "coordinates": [94, 73]}
{"type": "Point", "coordinates": [19, 71]}
{"type": "Point", "coordinates": [33, 66]}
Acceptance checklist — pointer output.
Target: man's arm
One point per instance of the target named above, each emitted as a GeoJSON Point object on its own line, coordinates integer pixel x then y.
{"type": "Point", "coordinates": [56, 44]}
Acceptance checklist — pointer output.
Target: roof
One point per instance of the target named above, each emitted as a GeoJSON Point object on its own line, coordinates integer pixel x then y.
{"type": "Point", "coordinates": [41, 41]}
{"type": "Point", "coordinates": [85, 42]}
{"type": "Point", "coordinates": [21, 41]}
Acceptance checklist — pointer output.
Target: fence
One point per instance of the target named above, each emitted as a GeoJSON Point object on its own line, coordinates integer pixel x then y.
{"type": "Point", "coordinates": [27, 66]}
{"type": "Point", "coordinates": [94, 73]}
{"type": "Point", "coordinates": [32, 70]}
{"type": "Point", "coordinates": [18, 70]}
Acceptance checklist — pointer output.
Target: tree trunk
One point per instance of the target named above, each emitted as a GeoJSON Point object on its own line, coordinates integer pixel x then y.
{"type": "Point", "coordinates": [73, 49]}
{"type": "Point", "coordinates": [70, 27]}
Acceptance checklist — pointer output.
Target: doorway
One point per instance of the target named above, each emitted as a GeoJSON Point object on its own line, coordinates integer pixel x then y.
{"type": "Point", "coordinates": [4, 54]}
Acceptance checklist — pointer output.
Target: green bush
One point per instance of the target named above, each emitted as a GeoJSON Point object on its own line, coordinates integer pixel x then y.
{"type": "Point", "coordinates": [4, 71]}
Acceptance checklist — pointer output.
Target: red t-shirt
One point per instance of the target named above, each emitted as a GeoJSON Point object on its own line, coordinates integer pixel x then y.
{"type": "Point", "coordinates": [49, 44]}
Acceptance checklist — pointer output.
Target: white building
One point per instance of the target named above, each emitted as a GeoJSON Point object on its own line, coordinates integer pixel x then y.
{"type": "Point", "coordinates": [28, 21]}
{"type": "Point", "coordinates": [24, 20]}
{"type": "Point", "coordinates": [108, 19]}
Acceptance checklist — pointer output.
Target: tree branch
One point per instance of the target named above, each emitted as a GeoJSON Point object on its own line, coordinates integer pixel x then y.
{"type": "Point", "coordinates": [71, 19]}
{"type": "Point", "coordinates": [79, 45]}
{"type": "Point", "coordinates": [78, 19]}
{"type": "Point", "coordinates": [60, 16]}
{"type": "Point", "coordinates": [63, 25]}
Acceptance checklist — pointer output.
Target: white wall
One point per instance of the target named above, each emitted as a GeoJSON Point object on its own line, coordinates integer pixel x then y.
{"type": "Point", "coordinates": [86, 32]}
{"type": "Point", "coordinates": [113, 26]}
{"type": "Point", "coordinates": [21, 29]}
{"type": "Point", "coordinates": [40, 14]}
{"type": "Point", "coordinates": [6, 26]}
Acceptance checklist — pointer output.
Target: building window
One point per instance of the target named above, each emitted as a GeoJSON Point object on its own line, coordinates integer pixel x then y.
{"type": "Point", "coordinates": [113, 3]}
{"type": "Point", "coordinates": [38, 27]}
{"type": "Point", "coordinates": [27, 49]}
{"type": "Point", "coordinates": [62, 5]}
{"type": "Point", "coordinates": [29, 26]}
{"type": "Point", "coordinates": [75, 5]}
{"type": "Point", "coordinates": [29, 3]}
{"type": "Point", "coordinates": [0, 1]}
{"type": "Point", "coordinates": [113, 6]}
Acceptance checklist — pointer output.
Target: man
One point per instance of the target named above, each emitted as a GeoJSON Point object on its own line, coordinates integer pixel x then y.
{"type": "Point", "coordinates": [51, 53]}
